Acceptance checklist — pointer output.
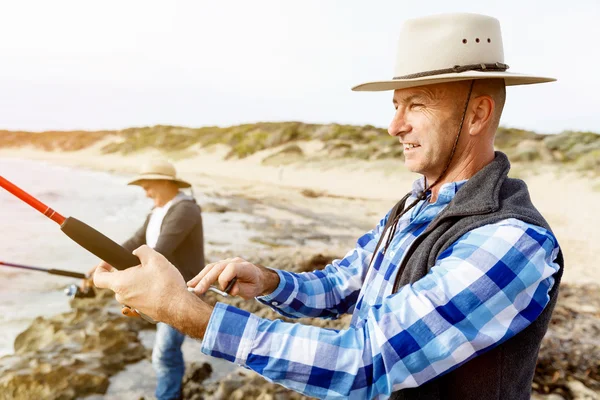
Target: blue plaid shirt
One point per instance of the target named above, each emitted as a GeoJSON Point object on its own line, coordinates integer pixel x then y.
{"type": "Point", "coordinates": [484, 289]}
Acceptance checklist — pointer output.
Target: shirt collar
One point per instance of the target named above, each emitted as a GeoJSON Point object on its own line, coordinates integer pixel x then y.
{"type": "Point", "coordinates": [447, 191]}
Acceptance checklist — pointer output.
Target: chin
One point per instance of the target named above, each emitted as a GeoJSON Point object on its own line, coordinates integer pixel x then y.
{"type": "Point", "coordinates": [413, 166]}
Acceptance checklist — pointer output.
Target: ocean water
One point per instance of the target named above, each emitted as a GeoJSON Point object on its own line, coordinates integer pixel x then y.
{"type": "Point", "coordinates": [27, 237]}
{"type": "Point", "coordinates": [100, 199]}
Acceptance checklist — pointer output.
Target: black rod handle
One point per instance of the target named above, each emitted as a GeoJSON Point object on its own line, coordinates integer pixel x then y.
{"type": "Point", "coordinates": [98, 244]}
{"type": "Point", "coordinates": [101, 246]}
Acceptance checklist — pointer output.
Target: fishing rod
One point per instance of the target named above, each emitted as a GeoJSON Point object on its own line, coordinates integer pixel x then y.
{"type": "Point", "coordinates": [51, 271]}
{"type": "Point", "coordinates": [84, 235]}
{"type": "Point", "coordinates": [73, 291]}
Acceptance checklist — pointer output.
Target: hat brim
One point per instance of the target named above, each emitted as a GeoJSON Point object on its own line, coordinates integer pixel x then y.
{"type": "Point", "coordinates": [157, 177]}
{"type": "Point", "coordinates": [511, 79]}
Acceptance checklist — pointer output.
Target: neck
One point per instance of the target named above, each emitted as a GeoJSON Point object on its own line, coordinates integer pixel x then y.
{"type": "Point", "coordinates": [460, 169]}
{"type": "Point", "coordinates": [164, 198]}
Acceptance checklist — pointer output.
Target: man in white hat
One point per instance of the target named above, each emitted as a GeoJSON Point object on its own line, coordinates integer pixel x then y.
{"type": "Point", "coordinates": [174, 229]}
{"type": "Point", "coordinates": [451, 293]}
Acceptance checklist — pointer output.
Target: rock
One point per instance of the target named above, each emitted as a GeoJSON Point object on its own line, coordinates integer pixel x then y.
{"type": "Point", "coordinates": [198, 373]}
{"type": "Point", "coordinates": [215, 208]}
{"type": "Point", "coordinates": [74, 354]}
{"type": "Point", "coordinates": [552, 396]}
{"type": "Point", "coordinates": [226, 388]}
{"type": "Point", "coordinates": [312, 193]}
{"type": "Point", "coordinates": [580, 392]}
{"type": "Point", "coordinates": [193, 381]}
{"type": "Point", "coordinates": [316, 262]}
{"type": "Point", "coordinates": [241, 386]}
{"type": "Point", "coordinates": [71, 354]}
{"type": "Point", "coordinates": [571, 348]}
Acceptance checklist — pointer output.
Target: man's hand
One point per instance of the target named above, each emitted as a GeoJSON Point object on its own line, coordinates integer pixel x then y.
{"type": "Point", "coordinates": [252, 280]}
{"type": "Point", "coordinates": [154, 287]}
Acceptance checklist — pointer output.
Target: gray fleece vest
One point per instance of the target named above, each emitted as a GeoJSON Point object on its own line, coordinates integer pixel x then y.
{"type": "Point", "coordinates": [506, 371]}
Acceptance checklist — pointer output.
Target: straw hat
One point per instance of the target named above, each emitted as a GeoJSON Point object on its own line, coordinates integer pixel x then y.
{"type": "Point", "coordinates": [159, 170]}
{"type": "Point", "coordinates": [449, 48]}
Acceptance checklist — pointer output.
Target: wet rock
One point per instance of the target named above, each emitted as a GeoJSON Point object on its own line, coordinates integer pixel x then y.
{"type": "Point", "coordinates": [316, 262]}
{"type": "Point", "coordinates": [552, 396]}
{"type": "Point", "coordinates": [193, 381]}
{"type": "Point", "coordinates": [570, 350]}
{"type": "Point", "coordinates": [71, 354]}
{"type": "Point", "coordinates": [74, 354]}
{"type": "Point", "coordinates": [312, 193]}
{"type": "Point", "coordinates": [215, 208]}
{"type": "Point", "coordinates": [240, 386]}
{"type": "Point", "coordinates": [580, 392]}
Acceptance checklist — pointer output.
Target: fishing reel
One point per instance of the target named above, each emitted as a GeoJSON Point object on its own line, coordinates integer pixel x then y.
{"type": "Point", "coordinates": [76, 292]}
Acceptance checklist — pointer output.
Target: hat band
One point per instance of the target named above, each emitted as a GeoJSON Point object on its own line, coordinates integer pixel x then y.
{"type": "Point", "coordinates": [457, 68]}
{"type": "Point", "coordinates": [156, 173]}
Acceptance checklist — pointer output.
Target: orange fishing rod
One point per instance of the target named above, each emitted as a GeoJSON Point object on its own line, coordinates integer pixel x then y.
{"type": "Point", "coordinates": [83, 234]}
{"type": "Point", "coordinates": [87, 237]}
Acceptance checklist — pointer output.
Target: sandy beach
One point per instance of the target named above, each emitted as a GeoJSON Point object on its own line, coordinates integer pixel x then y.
{"type": "Point", "coordinates": [356, 191]}
{"type": "Point", "coordinates": [285, 212]}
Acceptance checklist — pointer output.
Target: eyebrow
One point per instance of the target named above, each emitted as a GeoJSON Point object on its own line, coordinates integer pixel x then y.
{"type": "Point", "coordinates": [416, 96]}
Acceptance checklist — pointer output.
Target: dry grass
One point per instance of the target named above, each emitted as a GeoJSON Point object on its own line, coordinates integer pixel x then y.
{"type": "Point", "coordinates": [578, 150]}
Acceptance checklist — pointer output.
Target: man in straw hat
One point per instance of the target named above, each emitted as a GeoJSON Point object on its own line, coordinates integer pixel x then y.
{"type": "Point", "coordinates": [451, 293]}
{"type": "Point", "coordinates": [174, 229]}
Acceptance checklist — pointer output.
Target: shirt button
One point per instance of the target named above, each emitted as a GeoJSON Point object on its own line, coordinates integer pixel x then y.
{"type": "Point", "coordinates": [275, 303]}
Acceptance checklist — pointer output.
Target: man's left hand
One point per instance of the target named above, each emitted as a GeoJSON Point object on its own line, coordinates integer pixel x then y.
{"type": "Point", "coordinates": [153, 287]}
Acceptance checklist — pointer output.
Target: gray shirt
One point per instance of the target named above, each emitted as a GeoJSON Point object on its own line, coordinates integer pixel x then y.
{"type": "Point", "coordinates": [181, 238]}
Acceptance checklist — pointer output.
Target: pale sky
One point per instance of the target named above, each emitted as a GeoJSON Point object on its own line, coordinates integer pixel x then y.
{"type": "Point", "coordinates": [115, 64]}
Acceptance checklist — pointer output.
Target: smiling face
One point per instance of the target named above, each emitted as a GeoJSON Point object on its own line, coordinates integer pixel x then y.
{"type": "Point", "coordinates": [426, 123]}
{"type": "Point", "coordinates": [152, 189]}
{"type": "Point", "coordinates": [160, 191]}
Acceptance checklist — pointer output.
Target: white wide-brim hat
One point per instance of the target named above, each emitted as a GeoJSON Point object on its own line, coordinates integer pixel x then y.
{"type": "Point", "coordinates": [159, 170]}
{"type": "Point", "coordinates": [449, 48]}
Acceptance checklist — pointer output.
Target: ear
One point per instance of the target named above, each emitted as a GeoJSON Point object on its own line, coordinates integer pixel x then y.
{"type": "Point", "coordinates": [482, 114]}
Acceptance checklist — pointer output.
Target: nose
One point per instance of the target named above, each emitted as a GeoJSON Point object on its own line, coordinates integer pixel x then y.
{"type": "Point", "coordinates": [399, 125]}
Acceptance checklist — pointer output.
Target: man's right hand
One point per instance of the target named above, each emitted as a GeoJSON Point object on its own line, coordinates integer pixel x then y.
{"type": "Point", "coordinates": [252, 280]}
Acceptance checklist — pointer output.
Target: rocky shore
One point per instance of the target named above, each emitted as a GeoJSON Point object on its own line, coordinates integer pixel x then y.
{"type": "Point", "coordinates": [294, 208]}
{"type": "Point", "coordinates": [74, 354]}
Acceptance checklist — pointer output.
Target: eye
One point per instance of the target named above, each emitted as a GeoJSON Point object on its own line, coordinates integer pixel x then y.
{"type": "Point", "coordinates": [416, 105]}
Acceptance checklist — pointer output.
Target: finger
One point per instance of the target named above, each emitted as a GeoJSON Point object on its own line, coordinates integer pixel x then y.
{"type": "Point", "coordinates": [194, 281]}
{"type": "Point", "coordinates": [105, 278]}
{"type": "Point", "coordinates": [228, 274]}
{"type": "Point", "coordinates": [102, 264]}
{"type": "Point", "coordinates": [128, 312]}
{"type": "Point", "coordinates": [209, 278]}
{"type": "Point", "coordinates": [235, 290]}
{"type": "Point", "coordinates": [107, 266]}
{"type": "Point", "coordinates": [144, 253]}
